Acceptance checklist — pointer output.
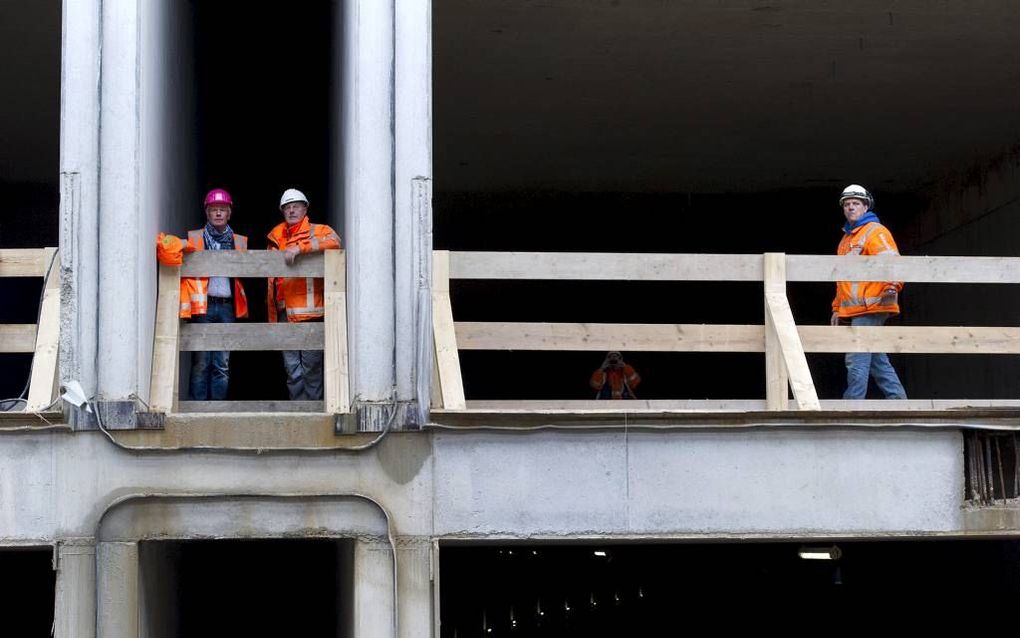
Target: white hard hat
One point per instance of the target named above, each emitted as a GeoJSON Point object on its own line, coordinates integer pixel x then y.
{"type": "Point", "coordinates": [856, 191]}
{"type": "Point", "coordinates": [292, 195]}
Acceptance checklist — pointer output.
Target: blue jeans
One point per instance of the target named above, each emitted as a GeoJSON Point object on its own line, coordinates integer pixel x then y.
{"type": "Point", "coordinates": [859, 365]}
{"type": "Point", "coordinates": [210, 371]}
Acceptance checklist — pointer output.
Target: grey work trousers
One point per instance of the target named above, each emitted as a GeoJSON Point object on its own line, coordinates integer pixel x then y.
{"type": "Point", "coordinates": [304, 373]}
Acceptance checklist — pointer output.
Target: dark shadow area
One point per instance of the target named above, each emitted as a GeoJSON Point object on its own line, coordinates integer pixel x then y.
{"type": "Point", "coordinates": [659, 589]}
{"type": "Point", "coordinates": [721, 128]}
{"type": "Point", "coordinates": [263, 97]}
{"type": "Point", "coordinates": [29, 158]}
{"type": "Point", "coordinates": [257, 588]}
{"type": "Point", "coordinates": [27, 591]}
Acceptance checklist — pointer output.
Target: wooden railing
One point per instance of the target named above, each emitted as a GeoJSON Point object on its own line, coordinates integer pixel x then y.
{"type": "Point", "coordinates": [783, 342]}
{"type": "Point", "coordinates": [172, 337]}
{"type": "Point", "coordinates": [43, 338]}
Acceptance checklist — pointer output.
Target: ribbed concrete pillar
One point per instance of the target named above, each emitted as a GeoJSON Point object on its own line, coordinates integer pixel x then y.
{"type": "Point", "coordinates": [414, 589]}
{"type": "Point", "coordinates": [79, 190]}
{"type": "Point", "coordinates": [412, 197]}
{"type": "Point", "coordinates": [117, 595]}
{"type": "Point", "coordinates": [373, 590]}
{"type": "Point", "coordinates": [367, 147]}
{"type": "Point", "coordinates": [74, 614]}
{"type": "Point", "coordinates": [119, 205]}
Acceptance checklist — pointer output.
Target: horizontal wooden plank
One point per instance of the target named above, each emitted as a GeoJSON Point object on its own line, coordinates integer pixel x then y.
{"type": "Point", "coordinates": [911, 339]}
{"type": "Point", "coordinates": [25, 262]}
{"type": "Point", "coordinates": [251, 336]}
{"type": "Point", "coordinates": [251, 263]}
{"type": "Point", "coordinates": [727, 267]}
{"type": "Point", "coordinates": [17, 337]}
{"type": "Point", "coordinates": [609, 336]}
{"type": "Point", "coordinates": [732, 338]}
{"type": "Point", "coordinates": [605, 266]}
{"type": "Point", "coordinates": [947, 270]}
{"type": "Point", "coordinates": [729, 405]}
{"type": "Point", "coordinates": [246, 407]}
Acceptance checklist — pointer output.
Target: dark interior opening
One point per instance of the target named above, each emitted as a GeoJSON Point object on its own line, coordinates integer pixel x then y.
{"type": "Point", "coordinates": [264, 124]}
{"type": "Point", "coordinates": [27, 591]}
{"type": "Point", "coordinates": [252, 587]}
{"type": "Point", "coordinates": [29, 159]}
{"type": "Point", "coordinates": [721, 129]}
{"type": "Point", "coordinates": [662, 589]}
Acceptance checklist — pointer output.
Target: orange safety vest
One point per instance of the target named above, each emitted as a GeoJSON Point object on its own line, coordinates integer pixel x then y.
{"type": "Point", "coordinates": [621, 382]}
{"type": "Point", "coordinates": [195, 290]}
{"type": "Point", "coordinates": [301, 296]}
{"type": "Point", "coordinates": [855, 298]}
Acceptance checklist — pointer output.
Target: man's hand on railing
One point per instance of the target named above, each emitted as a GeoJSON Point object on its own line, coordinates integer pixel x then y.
{"type": "Point", "coordinates": [290, 255]}
{"type": "Point", "coordinates": [889, 296]}
{"type": "Point", "coordinates": [834, 319]}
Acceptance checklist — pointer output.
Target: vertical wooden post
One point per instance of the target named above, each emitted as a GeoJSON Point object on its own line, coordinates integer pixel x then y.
{"type": "Point", "coordinates": [786, 363]}
{"type": "Point", "coordinates": [776, 376]}
{"type": "Point", "coordinates": [338, 394]}
{"type": "Point", "coordinates": [451, 384]}
{"type": "Point", "coordinates": [163, 385]}
{"type": "Point", "coordinates": [45, 373]}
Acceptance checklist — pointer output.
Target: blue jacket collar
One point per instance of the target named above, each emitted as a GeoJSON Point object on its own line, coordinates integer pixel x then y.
{"type": "Point", "coordinates": [867, 218]}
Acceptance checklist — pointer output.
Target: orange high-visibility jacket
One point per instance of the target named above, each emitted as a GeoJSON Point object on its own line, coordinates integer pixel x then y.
{"type": "Point", "coordinates": [621, 382]}
{"type": "Point", "coordinates": [301, 296]}
{"type": "Point", "coordinates": [195, 290]}
{"type": "Point", "coordinates": [855, 298]}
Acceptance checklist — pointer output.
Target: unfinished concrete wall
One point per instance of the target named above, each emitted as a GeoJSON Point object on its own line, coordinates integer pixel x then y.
{"type": "Point", "coordinates": [974, 213]}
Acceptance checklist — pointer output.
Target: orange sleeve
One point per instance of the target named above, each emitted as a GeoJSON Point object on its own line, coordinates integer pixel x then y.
{"type": "Point", "coordinates": [169, 250]}
{"type": "Point", "coordinates": [881, 242]}
{"type": "Point", "coordinates": [326, 238]}
{"type": "Point", "coordinates": [598, 379]}
{"type": "Point", "coordinates": [633, 378]}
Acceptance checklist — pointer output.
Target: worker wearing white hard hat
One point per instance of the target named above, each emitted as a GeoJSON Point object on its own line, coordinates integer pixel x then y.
{"type": "Point", "coordinates": [299, 299]}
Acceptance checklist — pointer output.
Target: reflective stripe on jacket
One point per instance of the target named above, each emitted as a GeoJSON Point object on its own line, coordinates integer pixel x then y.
{"type": "Point", "coordinates": [301, 296]}
{"type": "Point", "coordinates": [855, 298]}
{"type": "Point", "coordinates": [195, 290]}
{"type": "Point", "coordinates": [615, 383]}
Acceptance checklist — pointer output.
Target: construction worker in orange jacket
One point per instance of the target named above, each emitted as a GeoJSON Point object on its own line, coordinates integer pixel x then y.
{"type": "Point", "coordinates": [209, 299]}
{"type": "Point", "coordinates": [866, 303]}
{"type": "Point", "coordinates": [296, 299]}
{"type": "Point", "coordinates": [615, 379]}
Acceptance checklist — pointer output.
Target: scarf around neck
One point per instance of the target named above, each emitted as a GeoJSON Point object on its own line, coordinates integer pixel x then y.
{"type": "Point", "coordinates": [215, 240]}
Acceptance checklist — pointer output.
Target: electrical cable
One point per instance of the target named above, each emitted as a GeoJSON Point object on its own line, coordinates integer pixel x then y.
{"type": "Point", "coordinates": [228, 449]}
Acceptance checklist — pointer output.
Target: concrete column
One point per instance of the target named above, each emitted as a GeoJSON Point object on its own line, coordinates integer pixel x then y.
{"type": "Point", "coordinates": [368, 203]}
{"type": "Point", "coordinates": [412, 211]}
{"type": "Point", "coordinates": [414, 589]}
{"type": "Point", "coordinates": [373, 589]}
{"type": "Point", "coordinates": [74, 614]}
{"type": "Point", "coordinates": [79, 190]}
{"type": "Point", "coordinates": [119, 205]}
{"type": "Point", "coordinates": [117, 595]}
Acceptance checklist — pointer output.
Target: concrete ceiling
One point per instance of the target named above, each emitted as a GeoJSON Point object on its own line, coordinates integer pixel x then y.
{"type": "Point", "coordinates": [718, 96]}
{"type": "Point", "coordinates": [30, 86]}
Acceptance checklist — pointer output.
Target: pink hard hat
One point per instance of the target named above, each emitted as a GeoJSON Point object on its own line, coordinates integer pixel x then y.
{"type": "Point", "coordinates": [218, 196]}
